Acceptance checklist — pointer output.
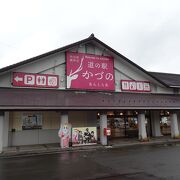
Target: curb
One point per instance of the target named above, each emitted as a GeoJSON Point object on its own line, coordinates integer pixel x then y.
{"type": "Point", "coordinates": [47, 152]}
{"type": "Point", "coordinates": [30, 153]}
{"type": "Point", "coordinates": [167, 142]}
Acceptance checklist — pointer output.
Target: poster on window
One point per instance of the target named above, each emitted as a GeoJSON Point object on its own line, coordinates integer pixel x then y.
{"type": "Point", "coordinates": [87, 71]}
{"type": "Point", "coordinates": [31, 121]}
{"type": "Point", "coordinates": [84, 136]}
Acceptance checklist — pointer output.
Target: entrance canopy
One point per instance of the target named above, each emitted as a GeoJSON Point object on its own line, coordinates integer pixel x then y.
{"type": "Point", "coordinates": [26, 98]}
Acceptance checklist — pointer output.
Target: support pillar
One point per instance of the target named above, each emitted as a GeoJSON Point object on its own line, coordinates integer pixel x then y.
{"type": "Point", "coordinates": [6, 130]}
{"type": "Point", "coordinates": [1, 130]}
{"type": "Point", "coordinates": [178, 119]}
{"type": "Point", "coordinates": [103, 124]}
{"type": "Point", "coordinates": [64, 118]}
{"type": "Point", "coordinates": [155, 121]}
{"type": "Point", "coordinates": [142, 127]}
{"type": "Point", "coordinates": [174, 126]}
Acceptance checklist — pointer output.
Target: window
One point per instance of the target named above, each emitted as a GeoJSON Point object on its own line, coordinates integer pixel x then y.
{"type": "Point", "coordinates": [31, 121]}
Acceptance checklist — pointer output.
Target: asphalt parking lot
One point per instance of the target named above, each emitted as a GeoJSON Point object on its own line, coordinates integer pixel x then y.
{"type": "Point", "coordinates": [137, 162]}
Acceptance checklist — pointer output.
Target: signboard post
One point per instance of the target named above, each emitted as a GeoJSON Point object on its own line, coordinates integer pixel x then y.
{"type": "Point", "coordinates": [84, 136]}
{"type": "Point", "coordinates": [87, 71]}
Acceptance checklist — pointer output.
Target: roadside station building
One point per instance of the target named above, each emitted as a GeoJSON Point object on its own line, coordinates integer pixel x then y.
{"type": "Point", "coordinates": [91, 86]}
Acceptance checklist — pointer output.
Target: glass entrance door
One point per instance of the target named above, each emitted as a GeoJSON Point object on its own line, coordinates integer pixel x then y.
{"type": "Point", "coordinates": [122, 124]}
{"type": "Point", "coordinates": [165, 123]}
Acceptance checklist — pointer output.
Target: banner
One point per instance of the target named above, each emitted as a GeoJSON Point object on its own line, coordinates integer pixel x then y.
{"type": "Point", "coordinates": [35, 80]}
{"type": "Point", "coordinates": [137, 86]}
{"type": "Point", "coordinates": [84, 136]}
{"type": "Point", "coordinates": [87, 71]}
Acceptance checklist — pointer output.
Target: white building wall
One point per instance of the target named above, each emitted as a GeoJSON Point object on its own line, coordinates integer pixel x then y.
{"type": "Point", "coordinates": [48, 133]}
{"type": "Point", "coordinates": [50, 126]}
{"type": "Point", "coordinates": [6, 80]}
{"type": "Point", "coordinates": [44, 64]}
{"type": "Point", "coordinates": [55, 64]}
{"type": "Point", "coordinates": [83, 118]}
{"type": "Point", "coordinates": [164, 90]}
{"type": "Point", "coordinates": [126, 71]}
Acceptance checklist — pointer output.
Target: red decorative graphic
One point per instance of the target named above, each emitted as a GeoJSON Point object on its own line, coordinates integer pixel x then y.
{"type": "Point", "coordinates": [137, 86]}
{"type": "Point", "coordinates": [87, 71]}
{"type": "Point", "coordinates": [35, 80]}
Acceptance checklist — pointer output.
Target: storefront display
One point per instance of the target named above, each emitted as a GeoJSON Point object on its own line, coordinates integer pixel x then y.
{"type": "Point", "coordinates": [123, 125]}
{"type": "Point", "coordinates": [165, 123]}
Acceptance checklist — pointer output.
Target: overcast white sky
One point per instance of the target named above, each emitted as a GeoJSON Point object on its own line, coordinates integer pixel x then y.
{"type": "Point", "coordinates": [145, 31]}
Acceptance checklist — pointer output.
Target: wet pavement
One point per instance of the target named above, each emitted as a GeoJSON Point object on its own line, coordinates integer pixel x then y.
{"type": "Point", "coordinates": [29, 150]}
{"type": "Point", "coordinates": [128, 163]}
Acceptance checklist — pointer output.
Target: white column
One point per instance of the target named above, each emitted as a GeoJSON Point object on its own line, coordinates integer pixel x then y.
{"type": "Point", "coordinates": [6, 130]}
{"type": "Point", "coordinates": [174, 126]}
{"type": "Point", "coordinates": [64, 118]}
{"type": "Point", "coordinates": [142, 127]}
{"type": "Point", "coordinates": [178, 119]}
{"type": "Point", "coordinates": [155, 121]}
{"type": "Point", "coordinates": [1, 131]}
{"type": "Point", "coordinates": [103, 124]}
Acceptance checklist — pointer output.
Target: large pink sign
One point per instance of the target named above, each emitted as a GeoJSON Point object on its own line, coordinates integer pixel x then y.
{"type": "Point", "coordinates": [138, 86]}
{"type": "Point", "coordinates": [35, 80]}
{"type": "Point", "coordinates": [87, 71]}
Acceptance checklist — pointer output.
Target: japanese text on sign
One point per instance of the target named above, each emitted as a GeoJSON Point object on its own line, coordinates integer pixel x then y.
{"type": "Point", "coordinates": [139, 86]}
{"type": "Point", "coordinates": [86, 71]}
{"type": "Point", "coordinates": [35, 80]}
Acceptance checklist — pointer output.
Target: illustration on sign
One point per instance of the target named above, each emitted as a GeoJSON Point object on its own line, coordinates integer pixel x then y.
{"type": "Point", "coordinates": [84, 136]}
{"type": "Point", "coordinates": [35, 80]}
{"type": "Point", "coordinates": [87, 71]}
{"type": "Point", "coordinates": [139, 86]}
